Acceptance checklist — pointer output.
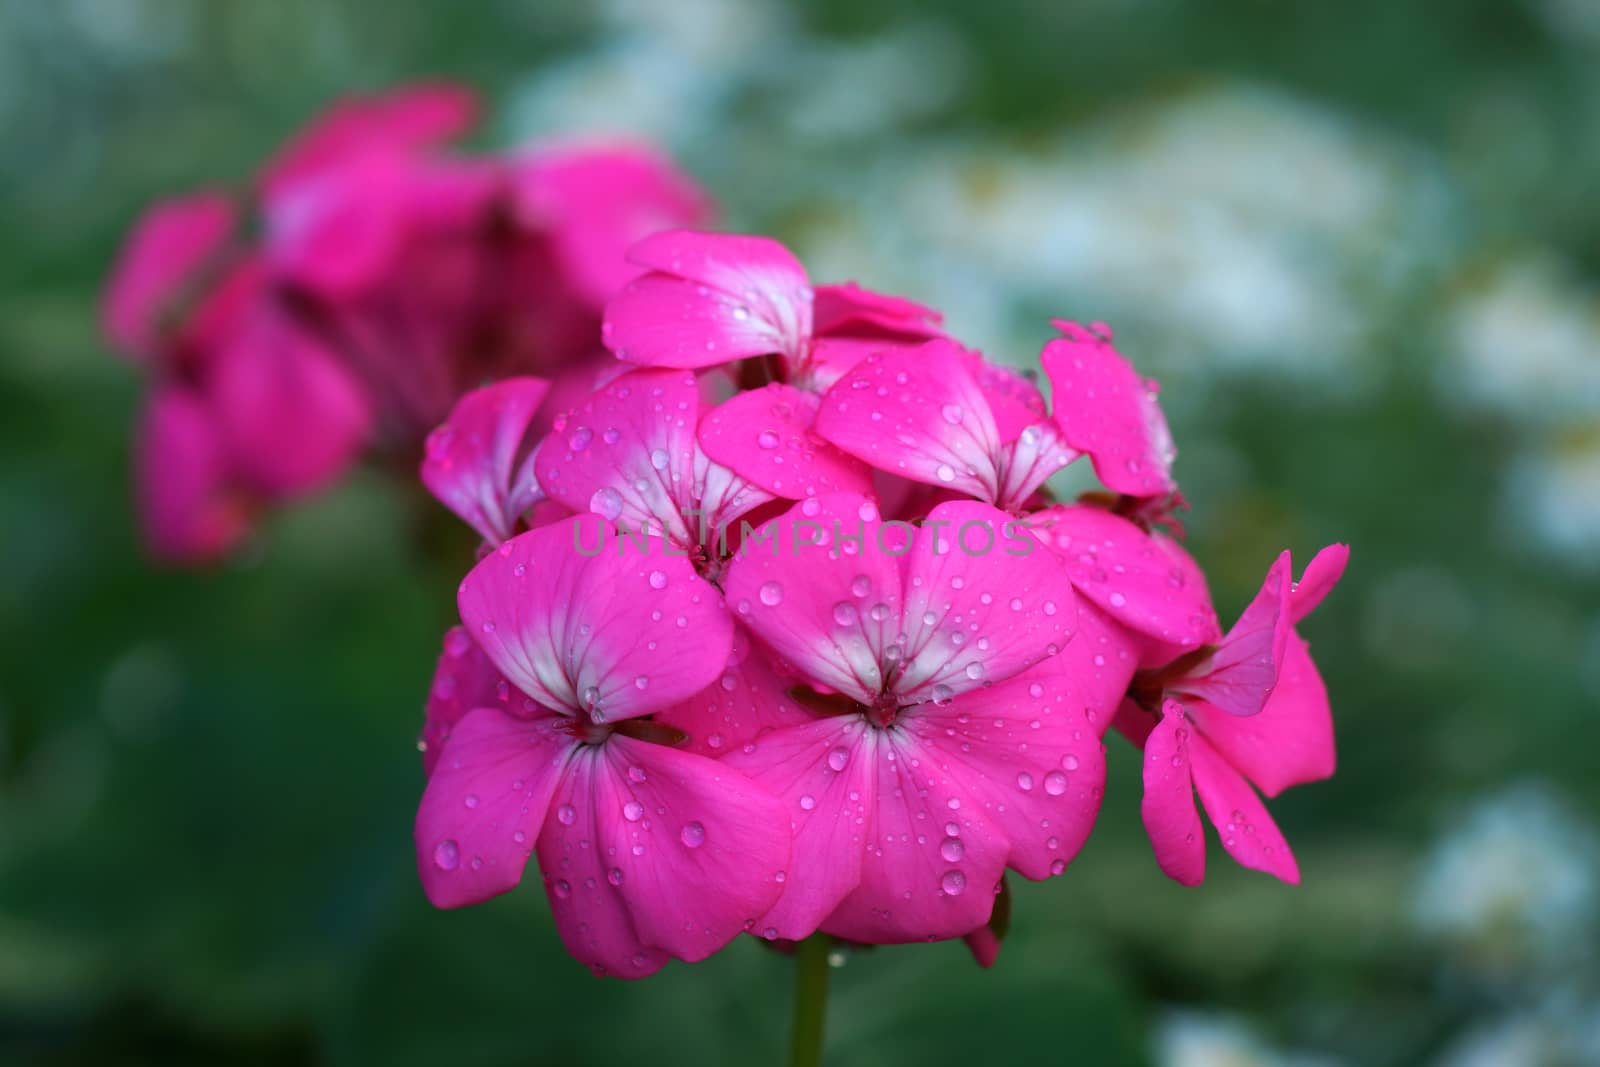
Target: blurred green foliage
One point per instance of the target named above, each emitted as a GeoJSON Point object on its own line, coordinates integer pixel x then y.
{"type": "Point", "coordinates": [207, 780]}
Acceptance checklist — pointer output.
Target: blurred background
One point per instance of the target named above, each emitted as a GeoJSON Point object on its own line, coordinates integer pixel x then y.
{"type": "Point", "coordinates": [1358, 243]}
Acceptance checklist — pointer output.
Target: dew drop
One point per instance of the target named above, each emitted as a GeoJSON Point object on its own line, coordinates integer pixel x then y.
{"type": "Point", "coordinates": [772, 594]}
{"type": "Point", "coordinates": [1055, 783]}
{"type": "Point", "coordinates": [606, 503]}
{"type": "Point", "coordinates": [954, 883]}
{"type": "Point", "coordinates": [447, 856]}
{"type": "Point", "coordinates": [693, 835]}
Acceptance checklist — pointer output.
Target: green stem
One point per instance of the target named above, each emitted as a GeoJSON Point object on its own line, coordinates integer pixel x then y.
{"type": "Point", "coordinates": [810, 1000]}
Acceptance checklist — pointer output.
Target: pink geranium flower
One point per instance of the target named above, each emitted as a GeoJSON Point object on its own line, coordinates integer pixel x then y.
{"type": "Point", "coordinates": [934, 414]}
{"type": "Point", "coordinates": [944, 738]}
{"type": "Point", "coordinates": [630, 454]}
{"type": "Point", "coordinates": [646, 852]}
{"type": "Point", "coordinates": [1251, 709]}
{"type": "Point", "coordinates": [389, 277]}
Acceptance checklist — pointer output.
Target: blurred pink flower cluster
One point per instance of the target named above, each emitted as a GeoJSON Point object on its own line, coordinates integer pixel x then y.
{"type": "Point", "coordinates": [779, 629]}
{"type": "Point", "coordinates": [364, 280]}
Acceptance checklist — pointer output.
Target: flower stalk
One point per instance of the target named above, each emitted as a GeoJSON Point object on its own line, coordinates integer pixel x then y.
{"type": "Point", "coordinates": [810, 1000]}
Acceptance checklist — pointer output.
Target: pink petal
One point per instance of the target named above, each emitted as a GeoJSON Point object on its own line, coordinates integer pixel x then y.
{"type": "Point", "coordinates": [339, 233]}
{"type": "Point", "coordinates": [629, 454]}
{"type": "Point", "coordinates": [1096, 666]}
{"type": "Point", "coordinates": [1291, 741]}
{"type": "Point", "coordinates": [1321, 575]}
{"type": "Point", "coordinates": [1026, 753]}
{"type": "Point", "coordinates": [166, 251]}
{"type": "Point", "coordinates": [589, 623]}
{"type": "Point", "coordinates": [294, 417]}
{"type": "Point", "coordinates": [1239, 676]}
{"type": "Point", "coordinates": [187, 505]}
{"type": "Point", "coordinates": [707, 856]}
{"type": "Point", "coordinates": [933, 858]}
{"type": "Point", "coordinates": [831, 358]}
{"type": "Point", "coordinates": [1248, 833]}
{"type": "Point", "coordinates": [850, 310]}
{"type": "Point", "coordinates": [1168, 806]}
{"type": "Point", "coordinates": [1109, 412]}
{"type": "Point", "coordinates": [1028, 461]}
{"type": "Point", "coordinates": [471, 463]}
{"type": "Point", "coordinates": [918, 414]}
{"type": "Point", "coordinates": [597, 201]}
{"type": "Point", "coordinates": [1144, 581]}
{"type": "Point", "coordinates": [1013, 397]}
{"type": "Point", "coordinates": [464, 679]}
{"type": "Point", "coordinates": [709, 298]}
{"type": "Point", "coordinates": [983, 602]}
{"type": "Point", "coordinates": [984, 944]}
{"type": "Point", "coordinates": [485, 802]}
{"type": "Point", "coordinates": [749, 698]}
{"type": "Point", "coordinates": [822, 773]}
{"type": "Point", "coordinates": [399, 122]}
{"type": "Point", "coordinates": [829, 611]}
{"type": "Point", "coordinates": [766, 437]}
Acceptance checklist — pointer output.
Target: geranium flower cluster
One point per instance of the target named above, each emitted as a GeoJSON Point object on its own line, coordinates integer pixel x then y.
{"type": "Point", "coordinates": [780, 629]}
{"type": "Point", "coordinates": [363, 281]}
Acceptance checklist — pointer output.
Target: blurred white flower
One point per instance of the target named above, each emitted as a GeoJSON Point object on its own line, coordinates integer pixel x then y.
{"type": "Point", "coordinates": [1512, 887]}
{"type": "Point", "coordinates": [1526, 343]}
{"type": "Point", "coordinates": [1565, 1037]}
{"type": "Point", "coordinates": [1554, 495]}
{"type": "Point", "coordinates": [1232, 219]}
{"type": "Point", "coordinates": [865, 88]}
{"type": "Point", "coordinates": [1192, 1039]}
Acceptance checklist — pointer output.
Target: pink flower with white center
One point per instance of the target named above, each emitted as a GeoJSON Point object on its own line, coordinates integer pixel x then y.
{"type": "Point", "coordinates": [1107, 411]}
{"type": "Point", "coordinates": [479, 464]}
{"type": "Point", "coordinates": [646, 852]}
{"type": "Point", "coordinates": [932, 414]}
{"type": "Point", "coordinates": [630, 455]}
{"type": "Point", "coordinates": [946, 738]}
{"type": "Point", "coordinates": [1249, 710]}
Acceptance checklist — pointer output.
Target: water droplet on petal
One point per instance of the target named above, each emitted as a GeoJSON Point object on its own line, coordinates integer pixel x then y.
{"type": "Point", "coordinates": [606, 503]}
{"type": "Point", "coordinates": [772, 594]}
{"type": "Point", "coordinates": [693, 835]}
{"type": "Point", "coordinates": [953, 883]}
{"type": "Point", "coordinates": [566, 815]}
{"type": "Point", "coordinates": [1055, 783]}
{"type": "Point", "coordinates": [658, 579]}
{"type": "Point", "coordinates": [633, 811]}
{"type": "Point", "coordinates": [447, 856]}
{"type": "Point", "coordinates": [952, 849]}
